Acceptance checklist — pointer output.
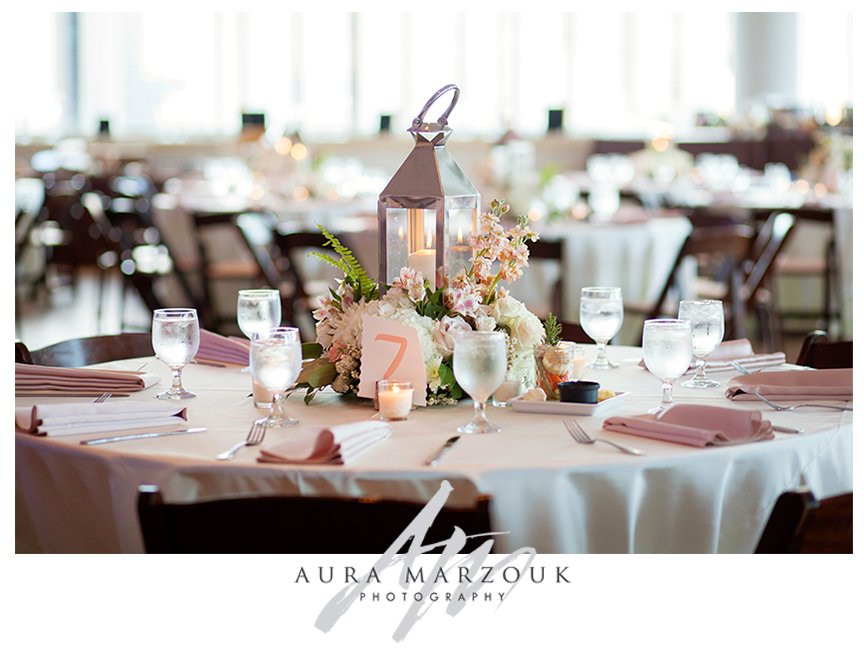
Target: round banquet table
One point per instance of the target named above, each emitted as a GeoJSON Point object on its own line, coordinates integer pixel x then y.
{"type": "Point", "coordinates": [548, 492]}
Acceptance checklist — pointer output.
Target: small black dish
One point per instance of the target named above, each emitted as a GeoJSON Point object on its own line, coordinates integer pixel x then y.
{"type": "Point", "coordinates": [584, 392]}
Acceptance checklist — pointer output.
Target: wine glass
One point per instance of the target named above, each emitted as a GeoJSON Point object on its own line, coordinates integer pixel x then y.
{"type": "Point", "coordinates": [601, 314]}
{"type": "Point", "coordinates": [479, 364]}
{"type": "Point", "coordinates": [258, 311]}
{"type": "Point", "coordinates": [276, 359]}
{"type": "Point", "coordinates": [175, 338]}
{"type": "Point", "coordinates": [707, 325]}
{"type": "Point", "coordinates": [667, 348]}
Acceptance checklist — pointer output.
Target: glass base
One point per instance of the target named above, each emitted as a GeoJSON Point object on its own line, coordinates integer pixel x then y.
{"type": "Point", "coordinates": [603, 364]}
{"type": "Point", "coordinates": [660, 408]}
{"type": "Point", "coordinates": [479, 427]}
{"type": "Point", "coordinates": [180, 394]}
{"type": "Point", "coordinates": [700, 383]}
{"type": "Point", "coordinates": [280, 423]}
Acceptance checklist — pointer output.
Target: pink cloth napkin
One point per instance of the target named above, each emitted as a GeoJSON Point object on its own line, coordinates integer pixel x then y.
{"type": "Point", "coordinates": [75, 419]}
{"type": "Point", "coordinates": [696, 425]}
{"type": "Point", "coordinates": [336, 445]}
{"type": "Point", "coordinates": [741, 351]}
{"type": "Point", "coordinates": [793, 385]}
{"type": "Point", "coordinates": [219, 349]}
{"type": "Point", "coordinates": [31, 380]}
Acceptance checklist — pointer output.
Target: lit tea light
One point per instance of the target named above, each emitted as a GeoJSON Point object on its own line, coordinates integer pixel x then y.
{"type": "Point", "coordinates": [802, 186]}
{"type": "Point", "coordinates": [299, 151]}
{"type": "Point", "coordinates": [300, 193]}
{"type": "Point", "coordinates": [395, 399]}
{"type": "Point", "coordinates": [283, 146]}
{"type": "Point", "coordinates": [820, 190]}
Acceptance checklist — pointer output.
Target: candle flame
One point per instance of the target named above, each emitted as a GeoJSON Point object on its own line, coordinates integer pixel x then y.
{"type": "Point", "coordinates": [459, 237]}
{"type": "Point", "coordinates": [429, 238]}
{"type": "Point", "coordinates": [401, 233]}
{"type": "Point", "coordinates": [395, 389]}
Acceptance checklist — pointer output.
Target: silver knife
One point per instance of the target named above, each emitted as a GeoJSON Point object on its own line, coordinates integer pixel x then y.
{"type": "Point", "coordinates": [139, 436]}
{"type": "Point", "coordinates": [434, 460]}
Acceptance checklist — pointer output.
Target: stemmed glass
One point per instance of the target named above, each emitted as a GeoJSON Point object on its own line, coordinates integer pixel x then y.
{"type": "Point", "coordinates": [479, 365]}
{"type": "Point", "coordinates": [258, 311]}
{"type": "Point", "coordinates": [601, 314]}
{"type": "Point", "coordinates": [667, 348]}
{"type": "Point", "coordinates": [708, 326]}
{"type": "Point", "coordinates": [175, 338]}
{"type": "Point", "coordinates": [276, 359]}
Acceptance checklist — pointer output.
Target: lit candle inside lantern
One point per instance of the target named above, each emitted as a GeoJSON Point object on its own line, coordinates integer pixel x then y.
{"type": "Point", "coordinates": [460, 255]}
{"type": "Point", "coordinates": [423, 260]}
{"type": "Point", "coordinates": [394, 399]}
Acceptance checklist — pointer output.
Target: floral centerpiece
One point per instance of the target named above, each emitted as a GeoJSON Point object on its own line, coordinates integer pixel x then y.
{"type": "Point", "coordinates": [475, 299]}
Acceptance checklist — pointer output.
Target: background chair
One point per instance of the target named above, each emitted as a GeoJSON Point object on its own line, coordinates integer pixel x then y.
{"type": "Point", "coordinates": [801, 524]}
{"type": "Point", "coordinates": [818, 352]}
{"type": "Point", "coordinates": [550, 250]}
{"type": "Point", "coordinates": [294, 524]}
{"type": "Point", "coordinates": [86, 351]}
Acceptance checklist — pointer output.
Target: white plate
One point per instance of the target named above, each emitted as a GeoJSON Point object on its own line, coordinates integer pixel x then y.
{"type": "Point", "coordinates": [565, 408]}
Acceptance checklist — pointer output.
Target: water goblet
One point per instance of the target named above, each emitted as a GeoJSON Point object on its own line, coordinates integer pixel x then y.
{"type": "Point", "coordinates": [667, 349]}
{"type": "Point", "coordinates": [601, 314]}
{"type": "Point", "coordinates": [258, 311]}
{"type": "Point", "coordinates": [175, 338]}
{"type": "Point", "coordinates": [276, 359]}
{"type": "Point", "coordinates": [707, 329]}
{"type": "Point", "coordinates": [479, 365]}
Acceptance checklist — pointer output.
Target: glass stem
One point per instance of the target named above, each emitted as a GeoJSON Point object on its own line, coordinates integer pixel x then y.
{"type": "Point", "coordinates": [666, 401]}
{"type": "Point", "coordinates": [276, 413]}
{"type": "Point", "coordinates": [601, 352]}
{"type": "Point", "coordinates": [479, 412]}
{"type": "Point", "coordinates": [700, 370]}
{"type": "Point", "coordinates": [176, 384]}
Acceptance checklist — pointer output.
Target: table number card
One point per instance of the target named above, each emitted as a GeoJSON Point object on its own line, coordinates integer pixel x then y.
{"type": "Point", "coordinates": [391, 350]}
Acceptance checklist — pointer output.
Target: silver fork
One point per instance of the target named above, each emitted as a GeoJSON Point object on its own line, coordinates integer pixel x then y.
{"type": "Point", "coordinates": [742, 369]}
{"type": "Point", "coordinates": [103, 397]}
{"type": "Point", "coordinates": [581, 436]}
{"type": "Point", "coordinates": [254, 437]}
{"type": "Point", "coordinates": [792, 407]}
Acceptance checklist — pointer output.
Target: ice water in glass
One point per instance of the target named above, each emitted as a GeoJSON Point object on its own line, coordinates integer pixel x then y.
{"type": "Point", "coordinates": [707, 324]}
{"type": "Point", "coordinates": [601, 314]}
{"type": "Point", "coordinates": [276, 359]}
{"type": "Point", "coordinates": [258, 311]}
{"type": "Point", "coordinates": [479, 365]}
{"type": "Point", "coordinates": [667, 349]}
{"type": "Point", "coordinates": [175, 338]}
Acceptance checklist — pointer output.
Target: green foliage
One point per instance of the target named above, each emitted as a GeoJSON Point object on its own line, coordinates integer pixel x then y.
{"type": "Point", "coordinates": [311, 350]}
{"type": "Point", "coordinates": [553, 329]}
{"type": "Point", "coordinates": [448, 380]}
{"type": "Point", "coordinates": [355, 275]}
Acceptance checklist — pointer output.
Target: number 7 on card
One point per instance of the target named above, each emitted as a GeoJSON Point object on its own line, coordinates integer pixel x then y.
{"type": "Point", "coordinates": [391, 350]}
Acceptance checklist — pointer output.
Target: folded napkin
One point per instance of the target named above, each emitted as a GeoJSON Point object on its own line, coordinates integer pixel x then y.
{"type": "Point", "coordinates": [78, 382]}
{"type": "Point", "coordinates": [696, 425]}
{"type": "Point", "coordinates": [336, 445]}
{"type": "Point", "coordinates": [222, 349]}
{"type": "Point", "coordinates": [741, 351]}
{"type": "Point", "coordinates": [793, 385]}
{"type": "Point", "coordinates": [75, 419]}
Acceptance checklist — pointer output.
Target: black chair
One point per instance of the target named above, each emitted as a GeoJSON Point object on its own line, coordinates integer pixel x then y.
{"type": "Point", "coordinates": [574, 332]}
{"type": "Point", "coordinates": [295, 524]}
{"type": "Point", "coordinates": [550, 250]}
{"type": "Point", "coordinates": [86, 351]}
{"type": "Point", "coordinates": [724, 249]}
{"type": "Point", "coordinates": [818, 352]}
{"type": "Point", "coordinates": [800, 524]}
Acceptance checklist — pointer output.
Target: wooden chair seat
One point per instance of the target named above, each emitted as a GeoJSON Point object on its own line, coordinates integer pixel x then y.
{"type": "Point", "coordinates": [800, 524]}
{"type": "Point", "coordinates": [818, 352]}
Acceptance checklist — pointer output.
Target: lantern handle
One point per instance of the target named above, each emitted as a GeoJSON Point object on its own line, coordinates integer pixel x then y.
{"type": "Point", "coordinates": [442, 121]}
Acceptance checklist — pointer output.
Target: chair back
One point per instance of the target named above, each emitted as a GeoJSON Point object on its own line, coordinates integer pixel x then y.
{"type": "Point", "coordinates": [818, 352]}
{"type": "Point", "coordinates": [727, 247]}
{"type": "Point", "coordinates": [86, 351]}
{"type": "Point", "coordinates": [294, 524]}
{"type": "Point", "coordinates": [574, 332]}
{"type": "Point", "coordinates": [552, 250]}
{"type": "Point", "coordinates": [800, 524]}
{"type": "Point", "coordinates": [766, 246]}
{"type": "Point", "coordinates": [299, 295]}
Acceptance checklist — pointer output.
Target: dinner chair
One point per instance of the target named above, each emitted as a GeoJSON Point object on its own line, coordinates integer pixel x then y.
{"type": "Point", "coordinates": [550, 250]}
{"type": "Point", "coordinates": [86, 351]}
{"type": "Point", "coordinates": [800, 524]}
{"type": "Point", "coordinates": [722, 248]}
{"type": "Point", "coordinates": [295, 524]}
{"type": "Point", "coordinates": [818, 352]}
{"type": "Point", "coordinates": [574, 332]}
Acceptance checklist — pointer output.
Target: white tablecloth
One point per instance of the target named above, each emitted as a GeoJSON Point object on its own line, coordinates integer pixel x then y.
{"type": "Point", "coordinates": [548, 492]}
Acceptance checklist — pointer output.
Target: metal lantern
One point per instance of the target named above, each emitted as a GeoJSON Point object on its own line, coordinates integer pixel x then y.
{"type": "Point", "coordinates": [429, 207]}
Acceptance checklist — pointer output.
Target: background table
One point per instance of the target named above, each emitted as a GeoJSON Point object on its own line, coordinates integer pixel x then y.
{"type": "Point", "coordinates": [548, 492]}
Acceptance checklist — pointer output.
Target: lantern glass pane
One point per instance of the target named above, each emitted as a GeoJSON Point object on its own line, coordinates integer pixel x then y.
{"type": "Point", "coordinates": [461, 223]}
